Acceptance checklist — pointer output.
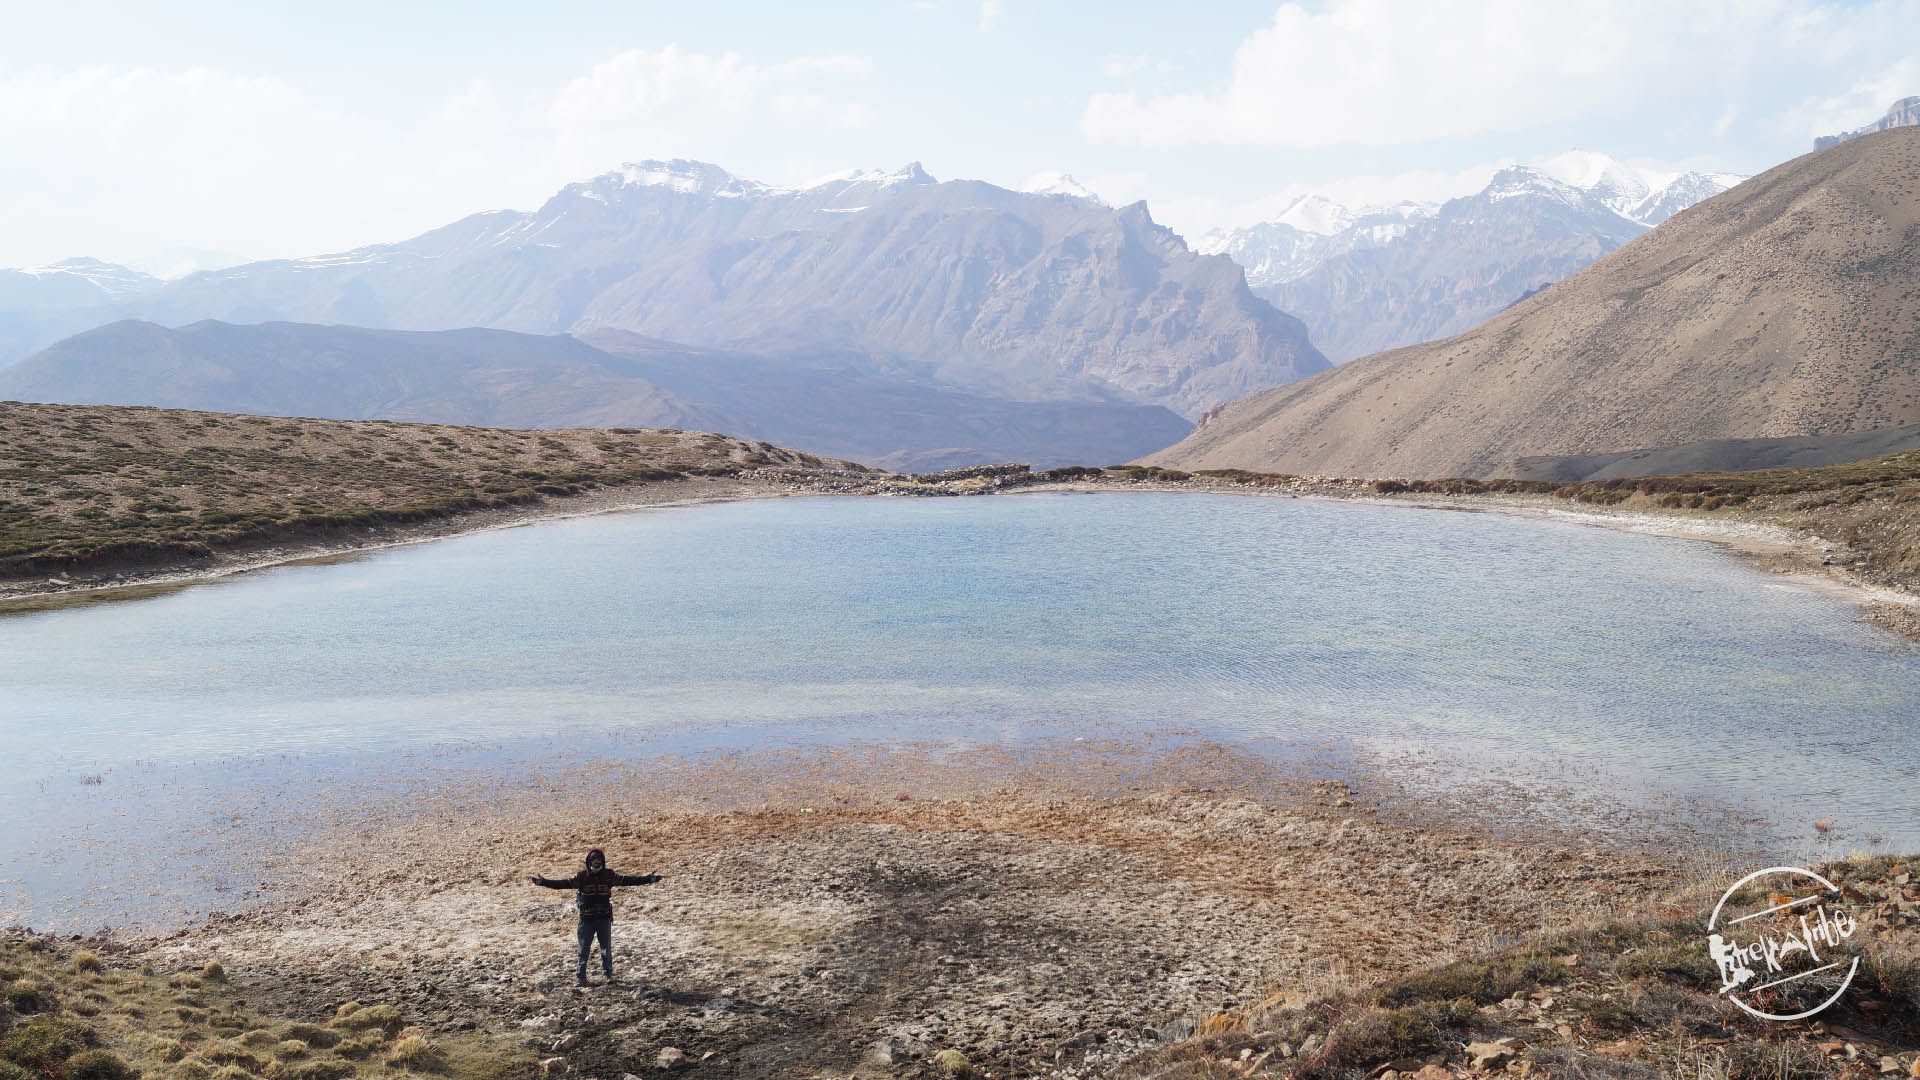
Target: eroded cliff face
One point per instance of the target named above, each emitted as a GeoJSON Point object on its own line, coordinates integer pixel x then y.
{"type": "Point", "coordinates": [1903, 113]}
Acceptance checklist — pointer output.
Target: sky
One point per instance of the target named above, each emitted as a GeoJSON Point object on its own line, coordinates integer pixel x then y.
{"type": "Point", "coordinates": [201, 132]}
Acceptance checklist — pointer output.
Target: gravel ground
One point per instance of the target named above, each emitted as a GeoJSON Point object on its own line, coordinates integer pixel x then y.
{"type": "Point", "coordinates": [1039, 910]}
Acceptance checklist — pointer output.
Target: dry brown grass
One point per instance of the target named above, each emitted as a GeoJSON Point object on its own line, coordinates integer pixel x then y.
{"type": "Point", "coordinates": [83, 485]}
{"type": "Point", "coordinates": [101, 1022]}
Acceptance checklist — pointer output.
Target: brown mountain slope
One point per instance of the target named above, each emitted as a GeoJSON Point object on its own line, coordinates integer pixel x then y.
{"type": "Point", "coordinates": [1789, 305]}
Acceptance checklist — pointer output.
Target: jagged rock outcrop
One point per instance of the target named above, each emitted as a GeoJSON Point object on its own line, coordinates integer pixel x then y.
{"type": "Point", "coordinates": [1902, 113]}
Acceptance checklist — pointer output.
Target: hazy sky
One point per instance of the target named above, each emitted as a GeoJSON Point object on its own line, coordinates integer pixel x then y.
{"type": "Point", "coordinates": [130, 130]}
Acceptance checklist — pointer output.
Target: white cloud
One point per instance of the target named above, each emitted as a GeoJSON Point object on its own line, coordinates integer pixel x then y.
{"type": "Point", "coordinates": [1860, 104]}
{"type": "Point", "coordinates": [1385, 72]}
{"type": "Point", "coordinates": [990, 12]}
{"type": "Point", "coordinates": [124, 162]}
{"type": "Point", "coordinates": [1120, 67]}
{"type": "Point", "coordinates": [151, 157]}
{"type": "Point", "coordinates": [639, 93]}
{"type": "Point", "coordinates": [1725, 124]}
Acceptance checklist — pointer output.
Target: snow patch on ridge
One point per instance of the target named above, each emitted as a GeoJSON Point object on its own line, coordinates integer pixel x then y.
{"type": "Point", "coordinates": [1059, 183]}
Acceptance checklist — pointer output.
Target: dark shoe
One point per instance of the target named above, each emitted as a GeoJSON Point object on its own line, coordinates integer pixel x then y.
{"type": "Point", "coordinates": [581, 980]}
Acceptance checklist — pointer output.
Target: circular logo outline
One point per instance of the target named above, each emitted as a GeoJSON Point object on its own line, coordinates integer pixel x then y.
{"type": "Point", "coordinates": [1714, 919]}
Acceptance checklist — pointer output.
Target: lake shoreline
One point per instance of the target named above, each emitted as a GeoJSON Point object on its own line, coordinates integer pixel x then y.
{"type": "Point", "coordinates": [1001, 901]}
{"type": "Point", "coordinates": [1799, 558]}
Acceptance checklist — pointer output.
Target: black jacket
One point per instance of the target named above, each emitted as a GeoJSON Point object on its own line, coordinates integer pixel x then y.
{"type": "Point", "coordinates": [596, 889]}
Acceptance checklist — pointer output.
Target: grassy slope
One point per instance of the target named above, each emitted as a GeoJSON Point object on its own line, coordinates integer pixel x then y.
{"type": "Point", "coordinates": [71, 1016]}
{"type": "Point", "coordinates": [86, 485]}
{"type": "Point", "coordinates": [1620, 1000]}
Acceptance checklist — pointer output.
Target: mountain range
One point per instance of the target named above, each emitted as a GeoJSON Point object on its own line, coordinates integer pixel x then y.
{"type": "Point", "coordinates": [46, 303]}
{"type": "Point", "coordinates": [1382, 277]}
{"type": "Point", "coordinates": [1028, 296]}
{"type": "Point", "coordinates": [500, 378]}
{"type": "Point", "coordinates": [1784, 307]}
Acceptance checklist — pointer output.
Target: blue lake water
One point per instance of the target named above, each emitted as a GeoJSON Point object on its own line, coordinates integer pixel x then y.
{"type": "Point", "coordinates": [989, 619]}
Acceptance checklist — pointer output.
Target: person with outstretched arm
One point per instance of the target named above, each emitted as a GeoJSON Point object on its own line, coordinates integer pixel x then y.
{"type": "Point", "coordinates": [595, 885]}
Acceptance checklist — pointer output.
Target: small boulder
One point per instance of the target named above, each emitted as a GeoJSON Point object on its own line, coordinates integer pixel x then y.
{"type": "Point", "coordinates": [669, 1057]}
{"type": "Point", "coordinates": [1487, 1056]}
{"type": "Point", "coordinates": [554, 1066]}
{"type": "Point", "coordinates": [566, 1042]}
{"type": "Point", "coordinates": [881, 1053]}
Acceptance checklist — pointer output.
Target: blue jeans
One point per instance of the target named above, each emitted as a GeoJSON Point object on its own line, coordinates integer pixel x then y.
{"type": "Point", "coordinates": [590, 929]}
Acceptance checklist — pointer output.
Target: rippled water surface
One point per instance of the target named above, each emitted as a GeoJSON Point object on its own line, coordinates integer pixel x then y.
{"type": "Point", "coordinates": [988, 618]}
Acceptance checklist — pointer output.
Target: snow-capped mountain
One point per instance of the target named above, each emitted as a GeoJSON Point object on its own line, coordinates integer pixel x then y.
{"type": "Point", "coordinates": [1648, 196]}
{"type": "Point", "coordinates": [1381, 277]}
{"type": "Point", "coordinates": [45, 303]}
{"type": "Point", "coordinates": [111, 279]}
{"type": "Point", "coordinates": [1307, 233]}
{"type": "Point", "coordinates": [1030, 296]}
{"type": "Point", "coordinates": [1059, 183]}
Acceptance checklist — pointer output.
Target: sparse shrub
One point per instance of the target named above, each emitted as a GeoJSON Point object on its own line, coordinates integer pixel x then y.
{"type": "Point", "coordinates": [194, 1067]}
{"type": "Point", "coordinates": [86, 961]}
{"type": "Point", "coordinates": [953, 1063]}
{"type": "Point", "coordinates": [259, 1037]}
{"type": "Point", "coordinates": [27, 1000]}
{"type": "Point", "coordinates": [1484, 982]}
{"type": "Point", "coordinates": [356, 1017]}
{"type": "Point", "coordinates": [313, 1035]}
{"type": "Point", "coordinates": [1383, 1034]}
{"type": "Point", "coordinates": [232, 1072]}
{"type": "Point", "coordinates": [213, 972]}
{"type": "Point", "coordinates": [359, 1045]}
{"type": "Point", "coordinates": [10, 1071]}
{"type": "Point", "coordinates": [234, 1054]}
{"type": "Point", "coordinates": [413, 1050]}
{"type": "Point", "coordinates": [319, 1070]}
{"type": "Point", "coordinates": [1391, 487]}
{"type": "Point", "coordinates": [98, 1065]}
{"type": "Point", "coordinates": [42, 1045]}
{"type": "Point", "coordinates": [290, 1049]}
{"type": "Point", "coordinates": [1681, 960]}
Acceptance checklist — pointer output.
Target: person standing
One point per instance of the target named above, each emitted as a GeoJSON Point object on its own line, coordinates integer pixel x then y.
{"type": "Point", "coordinates": [595, 886]}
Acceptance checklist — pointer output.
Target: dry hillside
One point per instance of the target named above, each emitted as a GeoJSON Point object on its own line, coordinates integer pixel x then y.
{"type": "Point", "coordinates": [1789, 305]}
{"type": "Point", "coordinates": [99, 485]}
